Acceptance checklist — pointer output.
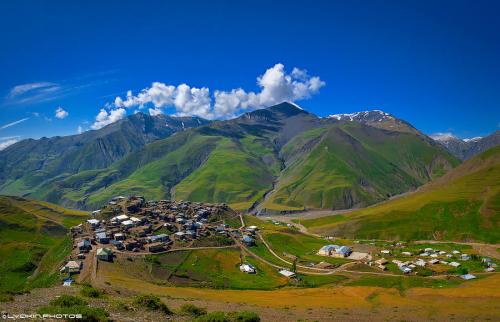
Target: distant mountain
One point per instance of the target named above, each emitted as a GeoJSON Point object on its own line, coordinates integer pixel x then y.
{"type": "Point", "coordinates": [467, 148]}
{"type": "Point", "coordinates": [279, 158]}
{"type": "Point", "coordinates": [463, 205]}
{"type": "Point", "coordinates": [29, 163]}
{"type": "Point", "coordinates": [378, 119]}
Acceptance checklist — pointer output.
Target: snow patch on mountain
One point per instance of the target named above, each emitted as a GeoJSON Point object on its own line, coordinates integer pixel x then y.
{"type": "Point", "coordinates": [443, 137]}
{"type": "Point", "coordinates": [292, 103]}
{"type": "Point", "coordinates": [373, 115]}
{"type": "Point", "coordinates": [476, 139]}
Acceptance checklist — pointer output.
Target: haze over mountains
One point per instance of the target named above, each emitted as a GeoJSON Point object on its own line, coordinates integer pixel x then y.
{"type": "Point", "coordinates": [274, 159]}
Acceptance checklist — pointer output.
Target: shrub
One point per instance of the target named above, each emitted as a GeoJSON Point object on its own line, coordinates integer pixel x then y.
{"type": "Point", "coordinates": [213, 317]}
{"type": "Point", "coordinates": [89, 291]}
{"type": "Point", "coordinates": [193, 310]}
{"type": "Point", "coordinates": [68, 301]}
{"type": "Point", "coordinates": [6, 297]}
{"type": "Point", "coordinates": [245, 316]}
{"type": "Point", "coordinates": [152, 302]}
{"type": "Point", "coordinates": [68, 304]}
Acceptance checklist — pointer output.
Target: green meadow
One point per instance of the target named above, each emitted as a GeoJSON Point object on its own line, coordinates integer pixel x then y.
{"type": "Point", "coordinates": [33, 242]}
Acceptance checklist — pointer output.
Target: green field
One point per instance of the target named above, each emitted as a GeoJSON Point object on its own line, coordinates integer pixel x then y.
{"type": "Point", "coordinates": [294, 243]}
{"type": "Point", "coordinates": [403, 283]}
{"type": "Point", "coordinates": [215, 268]}
{"type": "Point", "coordinates": [463, 205]}
{"type": "Point", "coordinates": [33, 242]}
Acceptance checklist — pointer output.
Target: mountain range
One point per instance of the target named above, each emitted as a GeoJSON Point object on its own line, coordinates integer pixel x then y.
{"type": "Point", "coordinates": [29, 163]}
{"type": "Point", "coordinates": [281, 158]}
{"type": "Point", "coordinates": [467, 148]}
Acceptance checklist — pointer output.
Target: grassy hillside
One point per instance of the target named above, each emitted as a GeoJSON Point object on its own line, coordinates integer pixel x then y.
{"type": "Point", "coordinates": [235, 172]}
{"type": "Point", "coordinates": [33, 242]}
{"type": "Point", "coordinates": [348, 164]}
{"type": "Point", "coordinates": [30, 163]}
{"type": "Point", "coordinates": [312, 163]}
{"type": "Point", "coordinates": [462, 205]}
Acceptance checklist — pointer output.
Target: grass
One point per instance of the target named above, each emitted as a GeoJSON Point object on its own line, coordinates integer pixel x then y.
{"type": "Point", "coordinates": [403, 283]}
{"type": "Point", "coordinates": [303, 246]}
{"type": "Point", "coordinates": [462, 205]}
{"type": "Point", "coordinates": [152, 303]}
{"type": "Point", "coordinates": [321, 280]}
{"type": "Point", "coordinates": [214, 268]}
{"type": "Point", "coordinates": [231, 174]}
{"type": "Point", "coordinates": [33, 242]}
{"type": "Point", "coordinates": [349, 164]}
{"type": "Point", "coordinates": [68, 304]}
{"type": "Point", "coordinates": [219, 268]}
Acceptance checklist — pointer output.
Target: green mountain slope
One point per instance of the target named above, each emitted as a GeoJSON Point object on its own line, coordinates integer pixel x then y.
{"type": "Point", "coordinates": [312, 162]}
{"type": "Point", "coordinates": [349, 164]}
{"type": "Point", "coordinates": [33, 242]}
{"type": "Point", "coordinates": [30, 163]}
{"type": "Point", "coordinates": [462, 205]}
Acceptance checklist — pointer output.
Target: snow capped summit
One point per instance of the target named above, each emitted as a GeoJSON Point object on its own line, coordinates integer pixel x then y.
{"type": "Point", "coordinates": [373, 116]}
{"type": "Point", "coordinates": [468, 147]}
{"type": "Point", "coordinates": [443, 137]}
{"type": "Point", "coordinates": [292, 103]}
{"type": "Point", "coordinates": [476, 139]}
{"type": "Point", "coordinates": [447, 136]}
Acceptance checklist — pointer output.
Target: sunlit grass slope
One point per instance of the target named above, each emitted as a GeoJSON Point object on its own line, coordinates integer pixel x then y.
{"type": "Point", "coordinates": [33, 242]}
{"type": "Point", "coordinates": [349, 164]}
{"type": "Point", "coordinates": [462, 205]}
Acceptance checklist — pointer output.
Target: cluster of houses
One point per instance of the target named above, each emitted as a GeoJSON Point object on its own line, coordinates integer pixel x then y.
{"type": "Point", "coordinates": [428, 257]}
{"type": "Point", "coordinates": [148, 226]}
{"type": "Point", "coordinates": [335, 251]}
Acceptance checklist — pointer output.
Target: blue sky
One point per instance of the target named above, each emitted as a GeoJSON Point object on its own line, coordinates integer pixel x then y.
{"type": "Point", "coordinates": [432, 63]}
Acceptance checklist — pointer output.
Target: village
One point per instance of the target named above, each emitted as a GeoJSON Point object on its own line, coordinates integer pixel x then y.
{"type": "Point", "coordinates": [135, 226]}
{"type": "Point", "coordinates": [129, 226]}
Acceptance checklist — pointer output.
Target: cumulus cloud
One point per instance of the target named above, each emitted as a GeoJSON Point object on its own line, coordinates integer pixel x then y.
{"type": "Point", "coordinates": [79, 129]}
{"type": "Point", "coordinates": [276, 86]}
{"type": "Point", "coordinates": [61, 113]}
{"type": "Point", "coordinates": [107, 117]}
{"type": "Point", "coordinates": [154, 111]}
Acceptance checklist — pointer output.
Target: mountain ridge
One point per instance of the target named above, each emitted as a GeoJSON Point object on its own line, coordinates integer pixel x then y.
{"type": "Point", "coordinates": [46, 158]}
{"type": "Point", "coordinates": [238, 161]}
{"type": "Point", "coordinates": [467, 148]}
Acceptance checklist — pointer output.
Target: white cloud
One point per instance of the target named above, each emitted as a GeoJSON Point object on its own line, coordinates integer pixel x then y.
{"type": "Point", "coordinates": [104, 117]}
{"type": "Point", "coordinates": [25, 88]}
{"type": "Point", "coordinates": [61, 113]}
{"type": "Point", "coordinates": [7, 143]}
{"type": "Point", "coordinates": [13, 123]}
{"type": "Point", "coordinates": [155, 111]}
{"type": "Point", "coordinates": [275, 85]}
{"type": "Point", "coordinates": [79, 129]}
